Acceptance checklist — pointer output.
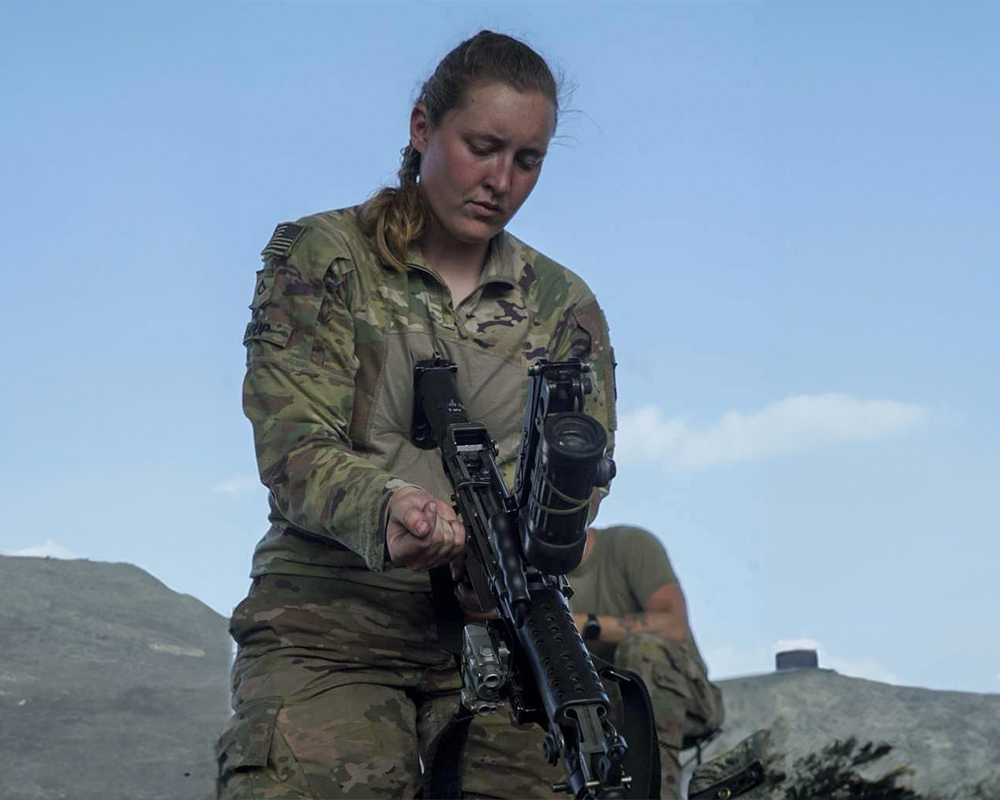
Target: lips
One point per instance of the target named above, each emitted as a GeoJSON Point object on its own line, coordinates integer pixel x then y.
{"type": "Point", "coordinates": [486, 208]}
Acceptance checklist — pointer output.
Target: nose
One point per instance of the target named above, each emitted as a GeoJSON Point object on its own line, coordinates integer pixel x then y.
{"type": "Point", "coordinates": [499, 176]}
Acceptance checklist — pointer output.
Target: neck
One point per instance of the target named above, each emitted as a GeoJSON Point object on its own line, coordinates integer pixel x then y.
{"type": "Point", "coordinates": [451, 257]}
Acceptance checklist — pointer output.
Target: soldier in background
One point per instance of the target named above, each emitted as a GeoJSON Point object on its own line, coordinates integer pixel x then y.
{"type": "Point", "coordinates": [340, 681]}
{"type": "Point", "coordinates": [631, 611]}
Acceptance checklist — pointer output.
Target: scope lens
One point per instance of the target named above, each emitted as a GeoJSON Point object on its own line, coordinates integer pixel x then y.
{"type": "Point", "coordinates": [574, 436]}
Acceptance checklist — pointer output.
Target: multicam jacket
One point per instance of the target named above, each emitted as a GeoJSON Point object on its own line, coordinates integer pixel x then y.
{"type": "Point", "coordinates": [331, 345]}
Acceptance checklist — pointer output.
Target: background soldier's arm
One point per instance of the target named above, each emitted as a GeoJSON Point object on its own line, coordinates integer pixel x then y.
{"type": "Point", "coordinates": [659, 605]}
{"type": "Point", "coordinates": [665, 615]}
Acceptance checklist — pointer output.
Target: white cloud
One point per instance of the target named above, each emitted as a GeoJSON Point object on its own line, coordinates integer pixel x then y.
{"type": "Point", "coordinates": [239, 484]}
{"type": "Point", "coordinates": [49, 549]}
{"type": "Point", "coordinates": [792, 425]}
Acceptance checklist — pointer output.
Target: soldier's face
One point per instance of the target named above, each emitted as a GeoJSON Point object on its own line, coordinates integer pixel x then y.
{"type": "Point", "coordinates": [480, 164]}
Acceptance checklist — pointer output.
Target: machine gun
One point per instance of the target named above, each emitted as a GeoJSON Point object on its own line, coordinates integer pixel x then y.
{"type": "Point", "coordinates": [519, 547]}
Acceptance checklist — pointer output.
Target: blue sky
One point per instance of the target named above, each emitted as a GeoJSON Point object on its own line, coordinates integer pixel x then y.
{"type": "Point", "coordinates": [789, 212]}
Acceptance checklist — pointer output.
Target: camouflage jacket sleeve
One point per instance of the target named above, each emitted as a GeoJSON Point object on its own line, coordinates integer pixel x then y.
{"type": "Point", "coordinates": [299, 391]}
{"type": "Point", "coordinates": [584, 334]}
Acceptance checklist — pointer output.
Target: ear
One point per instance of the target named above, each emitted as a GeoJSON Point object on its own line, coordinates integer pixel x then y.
{"type": "Point", "coordinates": [420, 127]}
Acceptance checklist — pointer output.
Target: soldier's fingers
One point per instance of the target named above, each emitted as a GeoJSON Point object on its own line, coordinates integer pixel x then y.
{"type": "Point", "coordinates": [453, 546]}
{"type": "Point", "coordinates": [430, 510]}
{"type": "Point", "coordinates": [430, 551]}
{"type": "Point", "coordinates": [447, 512]}
{"type": "Point", "coordinates": [452, 541]}
{"type": "Point", "coordinates": [443, 539]}
{"type": "Point", "coordinates": [459, 530]}
{"type": "Point", "coordinates": [406, 549]}
{"type": "Point", "coordinates": [414, 509]}
{"type": "Point", "coordinates": [440, 545]}
{"type": "Point", "coordinates": [418, 521]}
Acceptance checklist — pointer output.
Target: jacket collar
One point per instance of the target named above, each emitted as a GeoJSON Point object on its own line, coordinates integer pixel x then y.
{"type": "Point", "coordinates": [501, 261]}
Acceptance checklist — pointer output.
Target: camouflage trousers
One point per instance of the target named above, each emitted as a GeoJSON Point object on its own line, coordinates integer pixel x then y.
{"type": "Point", "coordinates": [686, 704]}
{"type": "Point", "coordinates": [339, 688]}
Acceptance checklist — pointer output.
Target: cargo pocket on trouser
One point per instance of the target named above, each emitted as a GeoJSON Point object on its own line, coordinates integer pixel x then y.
{"type": "Point", "coordinates": [704, 710]}
{"type": "Point", "coordinates": [254, 759]}
{"type": "Point", "coordinates": [671, 696]}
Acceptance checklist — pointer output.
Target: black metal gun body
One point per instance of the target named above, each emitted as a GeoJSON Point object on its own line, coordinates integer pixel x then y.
{"type": "Point", "coordinates": [531, 655]}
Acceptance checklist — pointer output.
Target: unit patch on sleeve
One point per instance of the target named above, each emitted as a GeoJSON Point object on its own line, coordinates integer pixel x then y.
{"type": "Point", "coordinates": [262, 290]}
{"type": "Point", "coordinates": [283, 240]}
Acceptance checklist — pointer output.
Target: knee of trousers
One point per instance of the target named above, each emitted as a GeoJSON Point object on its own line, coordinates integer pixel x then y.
{"type": "Point", "coordinates": [678, 685]}
{"type": "Point", "coordinates": [662, 671]}
{"type": "Point", "coordinates": [356, 741]}
{"type": "Point", "coordinates": [638, 650]}
{"type": "Point", "coordinates": [663, 663]}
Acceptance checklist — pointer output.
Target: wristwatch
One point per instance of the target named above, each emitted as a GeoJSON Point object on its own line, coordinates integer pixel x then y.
{"type": "Point", "coordinates": [591, 628]}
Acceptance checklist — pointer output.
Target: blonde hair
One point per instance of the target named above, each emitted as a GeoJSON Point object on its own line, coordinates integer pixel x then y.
{"type": "Point", "coordinates": [396, 216]}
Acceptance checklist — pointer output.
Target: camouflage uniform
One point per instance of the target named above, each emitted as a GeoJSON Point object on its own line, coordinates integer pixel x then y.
{"type": "Point", "coordinates": [746, 771]}
{"type": "Point", "coordinates": [625, 566]}
{"type": "Point", "coordinates": [339, 681]}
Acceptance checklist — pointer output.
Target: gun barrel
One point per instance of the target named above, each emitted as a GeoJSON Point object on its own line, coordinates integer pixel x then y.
{"type": "Point", "coordinates": [559, 660]}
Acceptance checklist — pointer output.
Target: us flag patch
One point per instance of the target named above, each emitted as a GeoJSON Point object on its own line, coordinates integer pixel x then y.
{"type": "Point", "coordinates": [282, 240]}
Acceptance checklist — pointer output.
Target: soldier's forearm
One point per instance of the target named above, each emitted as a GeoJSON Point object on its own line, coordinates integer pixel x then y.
{"type": "Point", "coordinates": [333, 494]}
{"type": "Point", "coordinates": [658, 623]}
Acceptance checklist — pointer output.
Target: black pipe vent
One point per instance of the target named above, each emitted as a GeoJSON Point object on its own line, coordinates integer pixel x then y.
{"type": "Point", "coordinates": [796, 659]}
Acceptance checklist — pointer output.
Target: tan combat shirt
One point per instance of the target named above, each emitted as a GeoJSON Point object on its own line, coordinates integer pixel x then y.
{"type": "Point", "coordinates": [625, 566]}
{"type": "Point", "coordinates": [331, 345]}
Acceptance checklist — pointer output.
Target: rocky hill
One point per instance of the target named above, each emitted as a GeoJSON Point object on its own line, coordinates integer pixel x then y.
{"type": "Point", "coordinates": [831, 736]}
{"type": "Point", "coordinates": [114, 687]}
{"type": "Point", "coordinates": [111, 685]}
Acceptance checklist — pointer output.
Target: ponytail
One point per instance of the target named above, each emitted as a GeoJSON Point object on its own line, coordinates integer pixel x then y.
{"type": "Point", "coordinates": [397, 216]}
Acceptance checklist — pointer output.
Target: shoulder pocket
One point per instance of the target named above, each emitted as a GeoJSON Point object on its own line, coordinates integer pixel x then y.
{"type": "Point", "coordinates": [590, 319]}
{"type": "Point", "coordinates": [299, 312]}
{"type": "Point", "coordinates": [245, 744]}
{"type": "Point", "coordinates": [264, 326]}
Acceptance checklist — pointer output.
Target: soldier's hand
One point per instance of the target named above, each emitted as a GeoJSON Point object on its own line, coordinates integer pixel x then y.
{"type": "Point", "coordinates": [422, 532]}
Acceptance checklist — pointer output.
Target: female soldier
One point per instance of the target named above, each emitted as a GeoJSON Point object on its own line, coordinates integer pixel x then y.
{"type": "Point", "coordinates": [340, 681]}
